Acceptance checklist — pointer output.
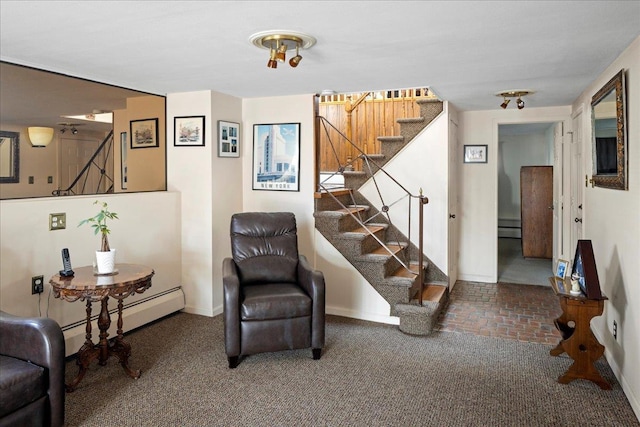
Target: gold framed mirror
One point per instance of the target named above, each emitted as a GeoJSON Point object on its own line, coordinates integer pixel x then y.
{"type": "Point", "coordinates": [609, 139]}
{"type": "Point", "coordinates": [9, 157]}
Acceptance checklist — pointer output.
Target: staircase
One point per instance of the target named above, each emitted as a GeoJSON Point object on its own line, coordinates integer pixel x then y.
{"type": "Point", "coordinates": [366, 237]}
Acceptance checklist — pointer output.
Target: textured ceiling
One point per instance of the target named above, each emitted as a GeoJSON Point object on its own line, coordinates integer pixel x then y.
{"type": "Point", "coordinates": [464, 51]}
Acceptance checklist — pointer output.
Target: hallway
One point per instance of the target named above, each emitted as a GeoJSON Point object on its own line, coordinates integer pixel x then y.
{"type": "Point", "coordinates": [513, 268]}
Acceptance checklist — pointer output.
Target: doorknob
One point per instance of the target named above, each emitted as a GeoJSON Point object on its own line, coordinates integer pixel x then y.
{"type": "Point", "coordinates": [452, 215]}
{"type": "Point", "coordinates": [577, 219]}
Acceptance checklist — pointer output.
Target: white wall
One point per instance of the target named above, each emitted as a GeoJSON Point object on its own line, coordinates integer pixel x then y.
{"type": "Point", "coordinates": [612, 222]}
{"type": "Point", "coordinates": [479, 187]}
{"type": "Point", "coordinates": [147, 232]}
{"type": "Point", "coordinates": [211, 189]}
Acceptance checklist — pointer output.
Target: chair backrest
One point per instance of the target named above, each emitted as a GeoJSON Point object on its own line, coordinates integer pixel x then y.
{"type": "Point", "coordinates": [264, 246]}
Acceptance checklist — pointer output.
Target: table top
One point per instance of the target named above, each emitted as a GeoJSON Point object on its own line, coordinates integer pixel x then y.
{"type": "Point", "coordinates": [562, 287]}
{"type": "Point", "coordinates": [86, 283]}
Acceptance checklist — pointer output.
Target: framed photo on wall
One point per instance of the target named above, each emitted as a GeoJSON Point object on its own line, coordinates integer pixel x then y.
{"type": "Point", "coordinates": [475, 154]}
{"type": "Point", "coordinates": [189, 131]}
{"type": "Point", "coordinates": [123, 160]}
{"type": "Point", "coordinates": [144, 133]}
{"type": "Point", "coordinates": [276, 157]}
{"type": "Point", "coordinates": [228, 139]}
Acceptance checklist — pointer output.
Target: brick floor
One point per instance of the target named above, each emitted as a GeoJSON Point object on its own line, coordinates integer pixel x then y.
{"type": "Point", "coordinates": [511, 311]}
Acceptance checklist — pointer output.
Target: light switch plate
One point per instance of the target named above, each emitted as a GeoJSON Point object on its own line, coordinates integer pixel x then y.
{"type": "Point", "coordinates": [57, 221]}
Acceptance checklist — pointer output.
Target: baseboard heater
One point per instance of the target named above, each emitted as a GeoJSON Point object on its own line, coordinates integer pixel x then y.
{"type": "Point", "coordinates": [134, 315]}
{"type": "Point", "coordinates": [509, 228]}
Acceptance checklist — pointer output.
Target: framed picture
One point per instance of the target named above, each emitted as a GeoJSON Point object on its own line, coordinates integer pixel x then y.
{"type": "Point", "coordinates": [228, 139]}
{"type": "Point", "coordinates": [561, 269]}
{"type": "Point", "coordinates": [189, 131]}
{"type": "Point", "coordinates": [276, 157]}
{"type": "Point", "coordinates": [475, 154]}
{"type": "Point", "coordinates": [144, 133]}
{"type": "Point", "coordinates": [585, 272]}
{"type": "Point", "coordinates": [123, 160]}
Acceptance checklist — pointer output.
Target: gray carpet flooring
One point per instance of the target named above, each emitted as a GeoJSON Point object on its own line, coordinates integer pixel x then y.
{"type": "Point", "coordinates": [514, 268]}
{"type": "Point", "coordinates": [369, 375]}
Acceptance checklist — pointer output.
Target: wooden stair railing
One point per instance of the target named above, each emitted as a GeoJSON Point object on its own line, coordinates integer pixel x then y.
{"type": "Point", "coordinates": [107, 145]}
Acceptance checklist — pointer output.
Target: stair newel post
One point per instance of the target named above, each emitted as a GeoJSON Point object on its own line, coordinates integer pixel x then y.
{"type": "Point", "coordinates": [423, 201]}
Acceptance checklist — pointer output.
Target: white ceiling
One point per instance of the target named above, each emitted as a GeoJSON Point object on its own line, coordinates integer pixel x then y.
{"type": "Point", "coordinates": [464, 51]}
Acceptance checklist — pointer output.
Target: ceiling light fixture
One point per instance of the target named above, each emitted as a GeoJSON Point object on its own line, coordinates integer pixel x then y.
{"type": "Point", "coordinates": [514, 94]}
{"type": "Point", "coordinates": [278, 42]}
{"type": "Point", "coordinates": [69, 126]}
{"type": "Point", "coordinates": [40, 136]}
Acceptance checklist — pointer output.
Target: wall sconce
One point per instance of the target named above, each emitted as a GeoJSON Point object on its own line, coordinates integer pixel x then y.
{"type": "Point", "coordinates": [279, 41]}
{"type": "Point", "coordinates": [40, 136]}
{"type": "Point", "coordinates": [513, 94]}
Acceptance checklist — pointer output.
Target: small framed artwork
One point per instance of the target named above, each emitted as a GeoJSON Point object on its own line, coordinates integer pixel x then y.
{"type": "Point", "coordinates": [475, 154]}
{"type": "Point", "coordinates": [123, 160]}
{"type": "Point", "coordinates": [561, 269]}
{"type": "Point", "coordinates": [228, 139]}
{"type": "Point", "coordinates": [144, 133]}
{"type": "Point", "coordinates": [189, 131]}
{"type": "Point", "coordinates": [276, 157]}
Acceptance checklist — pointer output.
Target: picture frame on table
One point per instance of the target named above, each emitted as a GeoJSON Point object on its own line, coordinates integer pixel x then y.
{"type": "Point", "coordinates": [144, 133]}
{"type": "Point", "coordinates": [276, 157]}
{"type": "Point", "coordinates": [475, 154]}
{"type": "Point", "coordinates": [562, 268]}
{"type": "Point", "coordinates": [189, 131]}
{"type": "Point", "coordinates": [228, 139]}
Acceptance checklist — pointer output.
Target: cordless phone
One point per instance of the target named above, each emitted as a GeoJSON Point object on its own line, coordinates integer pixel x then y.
{"type": "Point", "coordinates": [66, 264]}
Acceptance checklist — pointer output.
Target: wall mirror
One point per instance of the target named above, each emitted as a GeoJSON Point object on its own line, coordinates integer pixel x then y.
{"type": "Point", "coordinates": [9, 157]}
{"type": "Point", "coordinates": [83, 114]}
{"type": "Point", "coordinates": [608, 127]}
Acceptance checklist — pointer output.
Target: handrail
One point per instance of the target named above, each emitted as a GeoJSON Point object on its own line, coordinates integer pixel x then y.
{"type": "Point", "coordinates": [107, 139]}
{"type": "Point", "coordinates": [385, 206]}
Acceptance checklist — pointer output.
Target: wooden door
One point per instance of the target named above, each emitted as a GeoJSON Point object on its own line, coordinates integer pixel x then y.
{"type": "Point", "coordinates": [536, 210]}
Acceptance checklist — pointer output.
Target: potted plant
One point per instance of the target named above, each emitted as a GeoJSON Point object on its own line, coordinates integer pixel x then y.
{"type": "Point", "coordinates": [105, 257]}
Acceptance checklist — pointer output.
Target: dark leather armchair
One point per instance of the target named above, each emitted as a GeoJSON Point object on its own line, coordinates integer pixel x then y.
{"type": "Point", "coordinates": [273, 299]}
{"type": "Point", "coordinates": [32, 353]}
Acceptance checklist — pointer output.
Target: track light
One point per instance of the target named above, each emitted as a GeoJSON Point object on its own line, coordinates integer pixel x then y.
{"type": "Point", "coordinates": [296, 59]}
{"type": "Point", "coordinates": [272, 60]}
{"type": "Point", "coordinates": [282, 51]}
{"type": "Point", "coordinates": [507, 94]}
{"type": "Point", "coordinates": [284, 40]}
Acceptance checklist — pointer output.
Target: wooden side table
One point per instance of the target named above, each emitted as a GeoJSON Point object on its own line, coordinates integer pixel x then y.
{"type": "Point", "coordinates": [86, 285]}
{"type": "Point", "coordinates": [578, 340]}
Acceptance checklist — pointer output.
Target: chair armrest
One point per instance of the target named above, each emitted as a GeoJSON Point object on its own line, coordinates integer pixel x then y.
{"type": "Point", "coordinates": [40, 341]}
{"type": "Point", "coordinates": [231, 306]}
{"type": "Point", "coordinates": [312, 281]}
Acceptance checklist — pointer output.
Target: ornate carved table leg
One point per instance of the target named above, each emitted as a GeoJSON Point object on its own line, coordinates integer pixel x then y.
{"type": "Point", "coordinates": [85, 355]}
{"type": "Point", "coordinates": [122, 349]}
{"type": "Point", "coordinates": [104, 322]}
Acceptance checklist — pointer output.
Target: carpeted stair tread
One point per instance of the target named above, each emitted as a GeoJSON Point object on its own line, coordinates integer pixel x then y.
{"type": "Point", "coordinates": [333, 192]}
{"type": "Point", "coordinates": [392, 138]}
{"type": "Point", "coordinates": [411, 120]}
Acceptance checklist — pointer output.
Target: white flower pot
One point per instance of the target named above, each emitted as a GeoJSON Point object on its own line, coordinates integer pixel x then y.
{"type": "Point", "coordinates": [106, 261]}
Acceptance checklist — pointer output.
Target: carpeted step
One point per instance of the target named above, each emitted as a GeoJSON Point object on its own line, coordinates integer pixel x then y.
{"type": "Point", "coordinates": [361, 240]}
{"type": "Point", "coordinates": [355, 179]}
{"type": "Point", "coordinates": [416, 319]}
{"type": "Point", "coordinates": [331, 223]}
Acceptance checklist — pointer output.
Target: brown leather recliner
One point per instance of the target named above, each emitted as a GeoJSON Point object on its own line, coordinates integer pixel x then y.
{"type": "Point", "coordinates": [32, 353]}
{"type": "Point", "coordinates": [273, 299]}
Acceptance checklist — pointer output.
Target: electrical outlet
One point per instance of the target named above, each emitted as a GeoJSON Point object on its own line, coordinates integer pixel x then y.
{"type": "Point", "coordinates": [37, 285]}
{"type": "Point", "coordinates": [615, 330]}
{"type": "Point", "coordinates": [57, 221]}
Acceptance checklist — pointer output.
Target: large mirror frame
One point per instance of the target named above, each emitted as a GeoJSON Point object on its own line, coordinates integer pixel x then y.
{"type": "Point", "coordinates": [9, 157]}
{"type": "Point", "coordinates": [609, 154]}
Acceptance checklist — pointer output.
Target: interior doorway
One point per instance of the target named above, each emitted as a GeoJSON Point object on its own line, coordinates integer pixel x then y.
{"type": "Point", "coordinates": [521, 145]}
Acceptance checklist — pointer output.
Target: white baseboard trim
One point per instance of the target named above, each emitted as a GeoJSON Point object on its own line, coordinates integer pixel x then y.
{"type": "Point", "coordinates": [336, 311]}
{"type": "Point", "coordinates": [626, 387]}
{"type": "Point", "coordinates": [133, 316]}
